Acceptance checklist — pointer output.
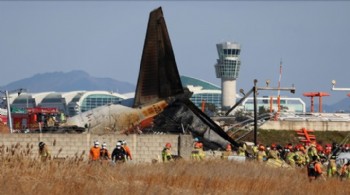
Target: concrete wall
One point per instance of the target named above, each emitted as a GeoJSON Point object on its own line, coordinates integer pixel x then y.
{"type": "Point", "coordinates": [314, 125]}
{"type": "Point", "coordinates": [144, 148]}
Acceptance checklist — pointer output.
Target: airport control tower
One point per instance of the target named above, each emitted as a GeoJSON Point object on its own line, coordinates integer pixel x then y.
{"type": "Point", "coordinates": [227, 68]}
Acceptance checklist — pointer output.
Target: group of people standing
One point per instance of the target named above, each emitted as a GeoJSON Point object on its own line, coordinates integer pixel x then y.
{"type": "Point", "coordinates": [313, 156]}
{"type": "Point", "coordinates": [121, 153]}
{"type": "Point", "coordinates": [197, 152]}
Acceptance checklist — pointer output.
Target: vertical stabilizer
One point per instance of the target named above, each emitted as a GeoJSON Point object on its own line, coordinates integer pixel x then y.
{"type": "Point", "coordinates": [158, 76]}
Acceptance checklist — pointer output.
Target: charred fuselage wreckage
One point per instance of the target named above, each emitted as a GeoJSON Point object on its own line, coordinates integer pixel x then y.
{"type": "Point", "coordinates": [160, 100]}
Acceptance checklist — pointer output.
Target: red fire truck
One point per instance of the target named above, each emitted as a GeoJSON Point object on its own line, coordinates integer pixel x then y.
{"type": "Point", "coordinates": [35, 118]}
{"type": "Point", "coordinates": [3, 119]}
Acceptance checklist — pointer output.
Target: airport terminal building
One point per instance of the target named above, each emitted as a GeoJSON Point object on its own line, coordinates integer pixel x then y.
{"type": "Point", "coordinates": [75, 102]}
{"type": "Point", "coordinates": [202, 91]}
{"type": "Point", "coordinates": [69, 103]}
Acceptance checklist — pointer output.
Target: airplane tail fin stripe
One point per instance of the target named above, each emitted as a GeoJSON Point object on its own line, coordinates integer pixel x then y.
{"type": "Point", "coordinates": [159, 77]}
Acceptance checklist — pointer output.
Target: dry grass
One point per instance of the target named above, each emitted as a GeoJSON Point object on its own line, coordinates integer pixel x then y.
{"type": "Point", "coordinates": [21, 174]}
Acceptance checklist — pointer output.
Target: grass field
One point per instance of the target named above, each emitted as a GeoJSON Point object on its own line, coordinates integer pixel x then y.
{"type": "Point", "coordinates": [21, 174]}
{"type": "Point", "coordinates": [267, 137]}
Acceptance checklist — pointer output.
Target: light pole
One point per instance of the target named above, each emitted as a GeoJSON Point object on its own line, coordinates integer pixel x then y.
{"type": "Point", "coordinates": [255, 90]}
{"type": "Point", "coordinates": [291, 89]}
{"type": "Point", "coordinates": [337, 88]}
{"type": "Point", "coordinates": [9, 117]}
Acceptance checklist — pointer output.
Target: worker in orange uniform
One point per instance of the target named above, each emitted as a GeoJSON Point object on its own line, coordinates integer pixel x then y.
{"type": "Point", "coordinates": [318, 169]}
{"type": "Point", "coordinates": [195, 140]}
{"type": "Point", "coordinates": [127, 150]}
{"type": "Point", "coordinates": [314, 169]}
{"type": "Point", "coordinates": [94, 154]}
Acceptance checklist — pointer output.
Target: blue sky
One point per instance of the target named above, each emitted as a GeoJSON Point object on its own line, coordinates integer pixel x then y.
{"type": "Point", "coordinates": [106, 39]}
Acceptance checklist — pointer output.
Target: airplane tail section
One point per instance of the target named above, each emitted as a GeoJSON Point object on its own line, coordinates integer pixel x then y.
{"type": "Point", "coordinates": [158, 75]}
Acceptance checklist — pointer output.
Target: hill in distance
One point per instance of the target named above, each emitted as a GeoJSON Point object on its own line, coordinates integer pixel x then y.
{"type": "Point", "coordinates": [69, 81]}
{"type": "Point", "coordinates": [80, 80]}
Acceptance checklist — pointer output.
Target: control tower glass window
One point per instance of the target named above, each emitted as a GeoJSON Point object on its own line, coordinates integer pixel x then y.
{"type": "Point", "coordinates": [231, 52]}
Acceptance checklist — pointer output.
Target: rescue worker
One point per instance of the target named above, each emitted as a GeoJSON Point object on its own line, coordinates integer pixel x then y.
{"type": "Point", "coordinates": [303, 155]}
{"type": "Point", "coordinates": [94, 154]}
{"type": "Point", "coordinates": [197, 152]}
{"type": "Point", "coordinates": [195, 140]}
{"type": "Point", "coordinates": [242, 149]}
{"type": "Point", "coordinates": [335, 148]}
{"type": "Point", "coordinates": [328, 149]}
{"type": "Point", "coordinates": [299, 156]}
{"type": "Point", "coordinates": [268, 149]}
{"type": "Point", "coordinates": [199, 145]}
{"type": "Point", "coordinates": [345, 171]}
{"type": "Point", "coordinates": [201, 151]}
{"type": "Point", "coordinates": [347, 148]}
{"type": "Point", "coordinates": [284, 152]}
{"type": "Point", "coordinates": [280, 150]}
{"type": "Point", "coordinates": [290, 157]}
{"type": "Point", "coordinates": [332, 167]}
{"type": "Point", "coordinates": [118, 154]}
{"type": "Point", "coordinates": [127, 150]}
{"type": "Point", "coordinates": [304, 159]}
{"type": "Point", "coordinates": [105, 156]}
{"type": "Point", "coordinates": [227, 153]}
{"type": "Point", "coordinates": [274, 154]}
{"type": "Point", "coordinates": [273, 158]}
{"type": "Point", "coordinates": [255, 150]}
{"type": "Point", "coordinates": [312, 151]}
{"type": "Point", "coordinates": [314, 170]}
{"type": "Point", "coordinates": [261, 154]}
{"type": "Point", "coordinates": [44, 152]}
{"type": "Point", "coordinates": [166, 153]}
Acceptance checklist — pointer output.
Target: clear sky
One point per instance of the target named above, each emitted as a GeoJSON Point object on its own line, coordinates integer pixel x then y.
{"type": "Point", "coordinates": [106, 39]}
